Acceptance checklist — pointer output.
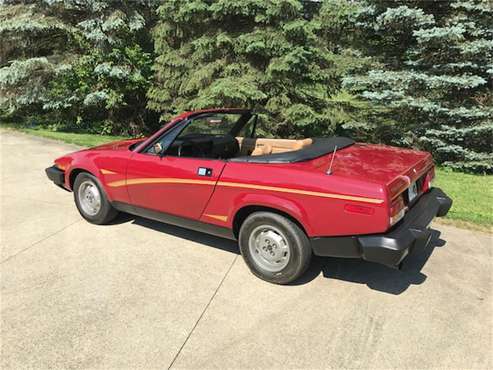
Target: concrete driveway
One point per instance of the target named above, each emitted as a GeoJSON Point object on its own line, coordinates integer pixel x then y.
{"type": "Point", "coordinates": [139, 294]}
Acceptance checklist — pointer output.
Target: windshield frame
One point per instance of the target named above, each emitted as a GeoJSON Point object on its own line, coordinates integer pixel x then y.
{"type": "Point", "coordinates": [177, 127]}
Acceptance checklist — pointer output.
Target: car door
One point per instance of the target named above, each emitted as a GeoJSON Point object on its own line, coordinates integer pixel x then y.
{"type": "Point", "coordinates": [176, 174]}
{"type": "Point", "coordinates": [174, 185]}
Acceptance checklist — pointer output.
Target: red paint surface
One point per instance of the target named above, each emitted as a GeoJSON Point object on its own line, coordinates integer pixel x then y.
{"type": "Point", "coordinates": [187, 200]}
{"type": "Point", "coordinates": [360, 170]}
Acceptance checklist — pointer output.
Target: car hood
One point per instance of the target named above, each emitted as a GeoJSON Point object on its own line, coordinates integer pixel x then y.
{"type": "Point", "coordinates": [117, 145]}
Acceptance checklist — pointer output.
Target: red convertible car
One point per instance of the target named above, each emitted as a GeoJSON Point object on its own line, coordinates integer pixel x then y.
{"type": "Point", "coordinates": [283, 200]}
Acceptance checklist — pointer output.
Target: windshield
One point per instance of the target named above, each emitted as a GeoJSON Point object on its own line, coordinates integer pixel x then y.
{"type": "Point", "coordinates": [214, 125]}
{"type": "Point", "coordinates": [207, 125]}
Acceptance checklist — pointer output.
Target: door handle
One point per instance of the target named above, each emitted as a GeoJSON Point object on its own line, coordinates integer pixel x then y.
{"type": "Point", "coordinates": [204, 171]}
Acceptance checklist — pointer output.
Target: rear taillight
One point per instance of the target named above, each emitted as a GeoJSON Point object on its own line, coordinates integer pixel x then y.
{"type": "Point", "coordinates": [397, 210]}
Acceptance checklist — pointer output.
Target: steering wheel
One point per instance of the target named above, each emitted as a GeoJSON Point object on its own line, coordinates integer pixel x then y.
{"type": "Point", "coordinates": [195, 147]}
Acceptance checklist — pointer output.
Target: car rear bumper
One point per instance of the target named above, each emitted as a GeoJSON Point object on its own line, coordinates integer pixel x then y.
{"type": "Point", "coordinates": [392, 247]}
{"type": "Point", "coordinates": [56, 175]}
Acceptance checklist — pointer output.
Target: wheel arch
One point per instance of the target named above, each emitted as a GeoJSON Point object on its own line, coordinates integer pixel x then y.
{"type": "Point", "coordinates": [73, 175]}
{"type": "Point", "coordinates": [245, 211]}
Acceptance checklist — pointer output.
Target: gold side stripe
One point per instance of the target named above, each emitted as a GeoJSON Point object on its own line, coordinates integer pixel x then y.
{"type": "Point", "coordinates": [217, 217]}
{"type": "Point", "coordinates": [170, 180]}
{"type": "Point", "coordinates": [159, 180]}
{"type": "Point", "coordinates": [298, 191]}
{"type": "Point", "coordinates": [108, 172]}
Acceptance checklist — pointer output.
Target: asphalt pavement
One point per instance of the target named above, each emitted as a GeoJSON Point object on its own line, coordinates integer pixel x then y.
{"type": "Point", "coordinates": [140, 294]}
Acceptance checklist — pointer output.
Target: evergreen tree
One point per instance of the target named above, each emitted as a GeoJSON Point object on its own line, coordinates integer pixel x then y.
{"type": "Point", "coordinates": [83, 63]}
{"type": "Point", "coordinates": [247, 53]}
{"type": "Point", "coordinates": [434, 75]}
{"type": "Point", "coordinates": [358, 118]}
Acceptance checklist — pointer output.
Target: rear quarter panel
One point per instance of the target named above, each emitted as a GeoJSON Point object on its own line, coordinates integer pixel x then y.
{"type": "Point", "coordinates": [285, 186]}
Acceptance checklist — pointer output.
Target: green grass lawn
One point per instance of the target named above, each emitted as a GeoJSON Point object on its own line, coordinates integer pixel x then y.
{"type": "Point", "coordinates": [472, 194]}
{"type": "Point", "coordinates": [72, 138]}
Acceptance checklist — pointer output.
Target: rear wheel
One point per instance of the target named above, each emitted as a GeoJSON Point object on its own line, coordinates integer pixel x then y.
{"type": "Point", "coordinates": [275, 248]}
{"type": "Point", "coordinates": [91, 201]}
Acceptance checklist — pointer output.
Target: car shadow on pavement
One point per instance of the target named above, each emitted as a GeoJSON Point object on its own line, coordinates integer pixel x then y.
{"type": "Point", "coordinates": [376, 276]}
{"type": "Point", "coordinates": [194, 236]}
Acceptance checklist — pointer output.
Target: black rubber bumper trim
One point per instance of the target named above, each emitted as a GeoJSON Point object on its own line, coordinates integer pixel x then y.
{"type": "Point", "coordinates": [392, 247]}
{"type": "Point", "coordinates": [56, 175]}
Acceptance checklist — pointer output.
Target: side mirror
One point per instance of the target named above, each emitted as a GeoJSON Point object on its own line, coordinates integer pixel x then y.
{"type": "Point", "coordinates": [158, 149]}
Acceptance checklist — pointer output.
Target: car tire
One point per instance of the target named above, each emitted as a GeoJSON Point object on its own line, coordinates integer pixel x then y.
{"type": "Point", "coordinates": [275, 248]}
{"type": "Point", "coordinates": [91, 200]}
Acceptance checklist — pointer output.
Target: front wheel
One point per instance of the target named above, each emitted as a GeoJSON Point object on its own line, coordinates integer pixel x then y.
{"type": "Point", "coordinates": [275, 248]}
{"type": "Point", "coordinates": [91, 201]}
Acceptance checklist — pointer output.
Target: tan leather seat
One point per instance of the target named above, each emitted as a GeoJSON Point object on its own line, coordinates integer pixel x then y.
{"type": "Point", "coordinates": [262, 146]}
{"type": "Point", "coordinates": [304, 143]}
{"type": "Point", "coordinates": [262, 149]}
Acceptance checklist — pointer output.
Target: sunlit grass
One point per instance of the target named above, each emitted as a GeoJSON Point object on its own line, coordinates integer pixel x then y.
{"type": "Point", "coordinates": [87, 140]}
{"type": "Point", "coordinates": [472, 196]}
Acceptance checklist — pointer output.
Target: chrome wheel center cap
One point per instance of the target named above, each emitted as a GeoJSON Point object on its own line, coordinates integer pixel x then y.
{"type": "Point", "coordinates": [270, 245]}
{"type": "Point", "coordinates": [269, 248]}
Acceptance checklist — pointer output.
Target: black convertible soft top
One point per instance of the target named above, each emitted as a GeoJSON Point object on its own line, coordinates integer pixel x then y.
{"type": "Point", "coordinates": [318, 148]}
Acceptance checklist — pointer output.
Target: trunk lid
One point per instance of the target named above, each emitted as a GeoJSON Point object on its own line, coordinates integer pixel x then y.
{"type": "Point", "coordinates": [397, 168]}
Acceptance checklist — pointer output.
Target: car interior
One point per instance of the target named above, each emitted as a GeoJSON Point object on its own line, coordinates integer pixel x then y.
{"type": "Point", "coordinates": [223, 136]}
{"type": "Point", "coordinates": [227, 147]}
{"type": "Point", "coordinates": [233, 136]}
